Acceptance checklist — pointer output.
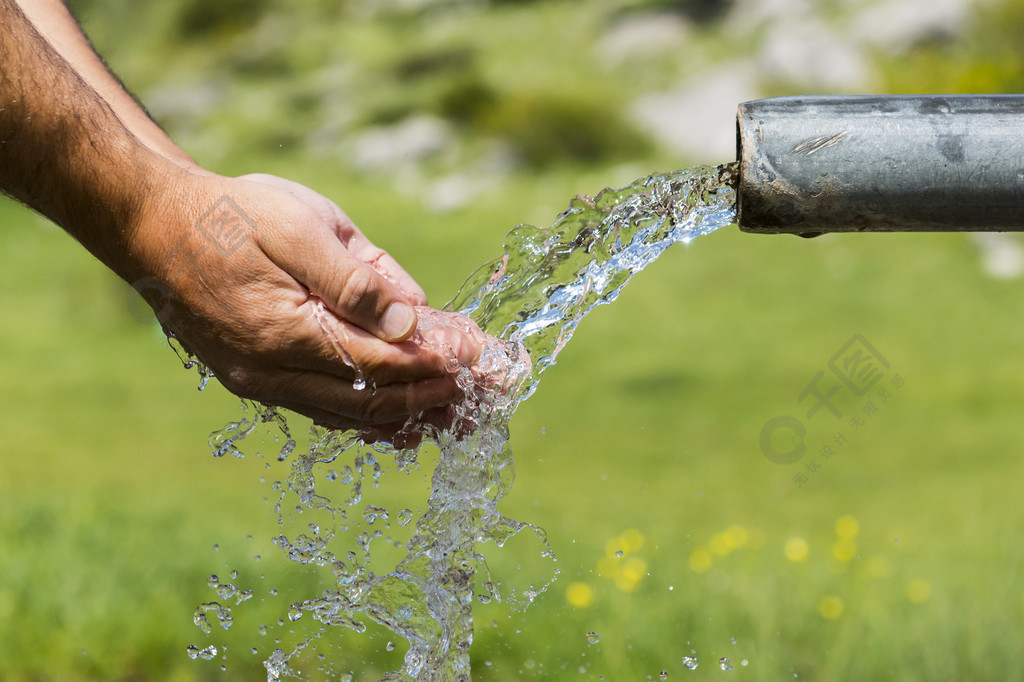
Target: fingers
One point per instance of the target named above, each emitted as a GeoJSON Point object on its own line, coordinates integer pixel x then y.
{"type": "Point", "coordinates": [331, 215]}
{"type": "Point", "coordinates": [350, 288]}
{"type": "Point", "coordinates": [384, 264]}
{"type": "Point", "coordinates": [329, 347]}
{"type": "Point", "coordinates": [335, 403]}
{"type": "Point", "coordinates": [304, 238]}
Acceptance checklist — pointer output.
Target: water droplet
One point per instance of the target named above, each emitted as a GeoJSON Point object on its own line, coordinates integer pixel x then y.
{"type": "Point", "coordinates": [373, 512]}
{"type": "Point", "coordinates": [593, 637]}
{"type": "Point", "coordinates": [254, 651]}
{"type": "Point", "coordinates": [479, 475]}
{"type": "Point", "coordinates": [404, 517]}
{"type": "Point", "coordinates": [390, 646]}
{"type": "Point", "coordinates": [294, 613]}
{"type": "Point", "coordinates": [663, 675]}
{"type": "Point", "coordinates": [724, 663]}
{"type": "Point", "coordinates": [691, 662]}
{"type": "Point", "coordinates": [206, 654]}
{"type": "Point", "coordinates": [618, 553]}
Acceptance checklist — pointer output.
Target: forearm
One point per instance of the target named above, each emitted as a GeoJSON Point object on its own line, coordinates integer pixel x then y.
{"type": "Point", "coordinates": [242, 271]}
{"type": "Point", "coordinates": [63, 150]}
{"type": "Point", "coordinates": [55, 23]}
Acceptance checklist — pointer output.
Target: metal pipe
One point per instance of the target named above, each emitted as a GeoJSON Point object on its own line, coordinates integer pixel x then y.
{"type": "Point", "coordinates": [908, 163]}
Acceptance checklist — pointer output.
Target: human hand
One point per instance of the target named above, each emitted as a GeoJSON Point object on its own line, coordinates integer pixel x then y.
{"type": "Point", "coordinates": [237, 268]}
{"type": "Point", "coordinates": [490, 384]}
{"type": "Point", "coordinates": [355, 241]}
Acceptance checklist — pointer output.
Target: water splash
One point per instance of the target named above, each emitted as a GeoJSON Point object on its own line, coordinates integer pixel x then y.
{"type": "Point", "coordinates": [334, 331]}
{"type": "Point", "coordinates": [551, 278]}
{"type": "Point", "coordinates": [530, 302]}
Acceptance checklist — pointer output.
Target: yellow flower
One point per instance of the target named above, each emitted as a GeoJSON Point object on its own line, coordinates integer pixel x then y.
{"type": "Point", "coordinates": [844, 549]}
{"type": "Point", "coordinates": [719, 545]}
{"type": "Point", "coordinates": [579, 595]}
{"type": "Point", "coordinates": [736, 537]}
{"type": "Point", "coordinates": [830, 606]}
{"type": "Point", "coordinates": [616, 547]}
{"type": "Point", "coordinates": [732, 538]}
{"type": "Point", "coordinates": [919, 590]}
{"type": "Point", "coordinates": [796, 549]}
{"type": "Point", "coordinates": [847, 527]}
{"type": "Point", "coordinates": [700, 560]}
{"type": "Point", "coordinates": [632, 540]}
{"type": "Point", "coordinates": [631, 574]}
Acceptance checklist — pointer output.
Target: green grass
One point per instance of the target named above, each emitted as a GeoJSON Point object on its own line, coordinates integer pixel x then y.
{"type": "Point", "coordinates": [650, 422]}
{"type": "Point", "coordinates": [112, 506]}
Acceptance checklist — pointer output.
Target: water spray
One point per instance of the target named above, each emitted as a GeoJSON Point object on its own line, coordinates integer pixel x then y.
{"type": "Point", "coordinates": [907, 163]}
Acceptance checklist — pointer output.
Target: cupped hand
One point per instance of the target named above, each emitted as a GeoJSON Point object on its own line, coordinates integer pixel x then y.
{"type": "Point", "coordinates": [237, 268]}
{"type": "Point", "coordinates": [490, 384]}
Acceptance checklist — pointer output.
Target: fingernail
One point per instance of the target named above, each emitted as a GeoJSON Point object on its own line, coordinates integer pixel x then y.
{"type": "Point", "coordinates": [469, 351]}
{"type": "Point", "coordinates": [398, 320]}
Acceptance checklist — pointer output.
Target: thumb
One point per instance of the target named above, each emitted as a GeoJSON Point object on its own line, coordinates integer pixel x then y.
{"type": "Point", "coordinates": [360, 295]}
{"type": "Point", "coordinates": [350, 288]}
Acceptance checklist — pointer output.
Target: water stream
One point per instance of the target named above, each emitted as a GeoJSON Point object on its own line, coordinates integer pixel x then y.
{"type": "Point", "coordinates": [530, 301]}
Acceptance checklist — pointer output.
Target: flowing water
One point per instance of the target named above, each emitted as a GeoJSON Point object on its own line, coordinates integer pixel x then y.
{"type": "Point", "coordinates": [530, 301]}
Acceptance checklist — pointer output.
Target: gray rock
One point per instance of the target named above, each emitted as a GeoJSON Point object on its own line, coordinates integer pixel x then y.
{"type": "Point", "coordinates": [387, 147]}
{"type": "Point", "coordinates": [698, 120]}
{"type": "Point", "coordinates": [642, 35]}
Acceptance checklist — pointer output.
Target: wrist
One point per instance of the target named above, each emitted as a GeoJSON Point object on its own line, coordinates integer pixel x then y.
{"type": "Point", "coordinates": [111, 203]}
{"type": "Point", "coordinates": [163, 236]}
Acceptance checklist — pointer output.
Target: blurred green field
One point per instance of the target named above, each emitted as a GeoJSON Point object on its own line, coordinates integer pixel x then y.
{"type": "Point", "coordinates": [897, 558]}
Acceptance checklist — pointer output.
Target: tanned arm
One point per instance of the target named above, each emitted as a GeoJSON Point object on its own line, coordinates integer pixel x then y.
{"type": "Point", "coordinates": [57, 25]}
{"type": "Point", "coordinates": [235, 267]}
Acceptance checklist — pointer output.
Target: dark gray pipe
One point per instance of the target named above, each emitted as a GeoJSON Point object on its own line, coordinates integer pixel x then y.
{"type": "Point", "coordinates": [809, 165]}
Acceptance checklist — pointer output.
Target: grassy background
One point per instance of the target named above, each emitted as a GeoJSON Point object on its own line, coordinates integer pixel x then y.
{"type": "Point", "coordinates": [643, 439]}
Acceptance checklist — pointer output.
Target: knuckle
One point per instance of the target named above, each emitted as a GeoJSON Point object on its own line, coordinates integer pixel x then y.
{"type": "Point", "coordinates": [359, 291]}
